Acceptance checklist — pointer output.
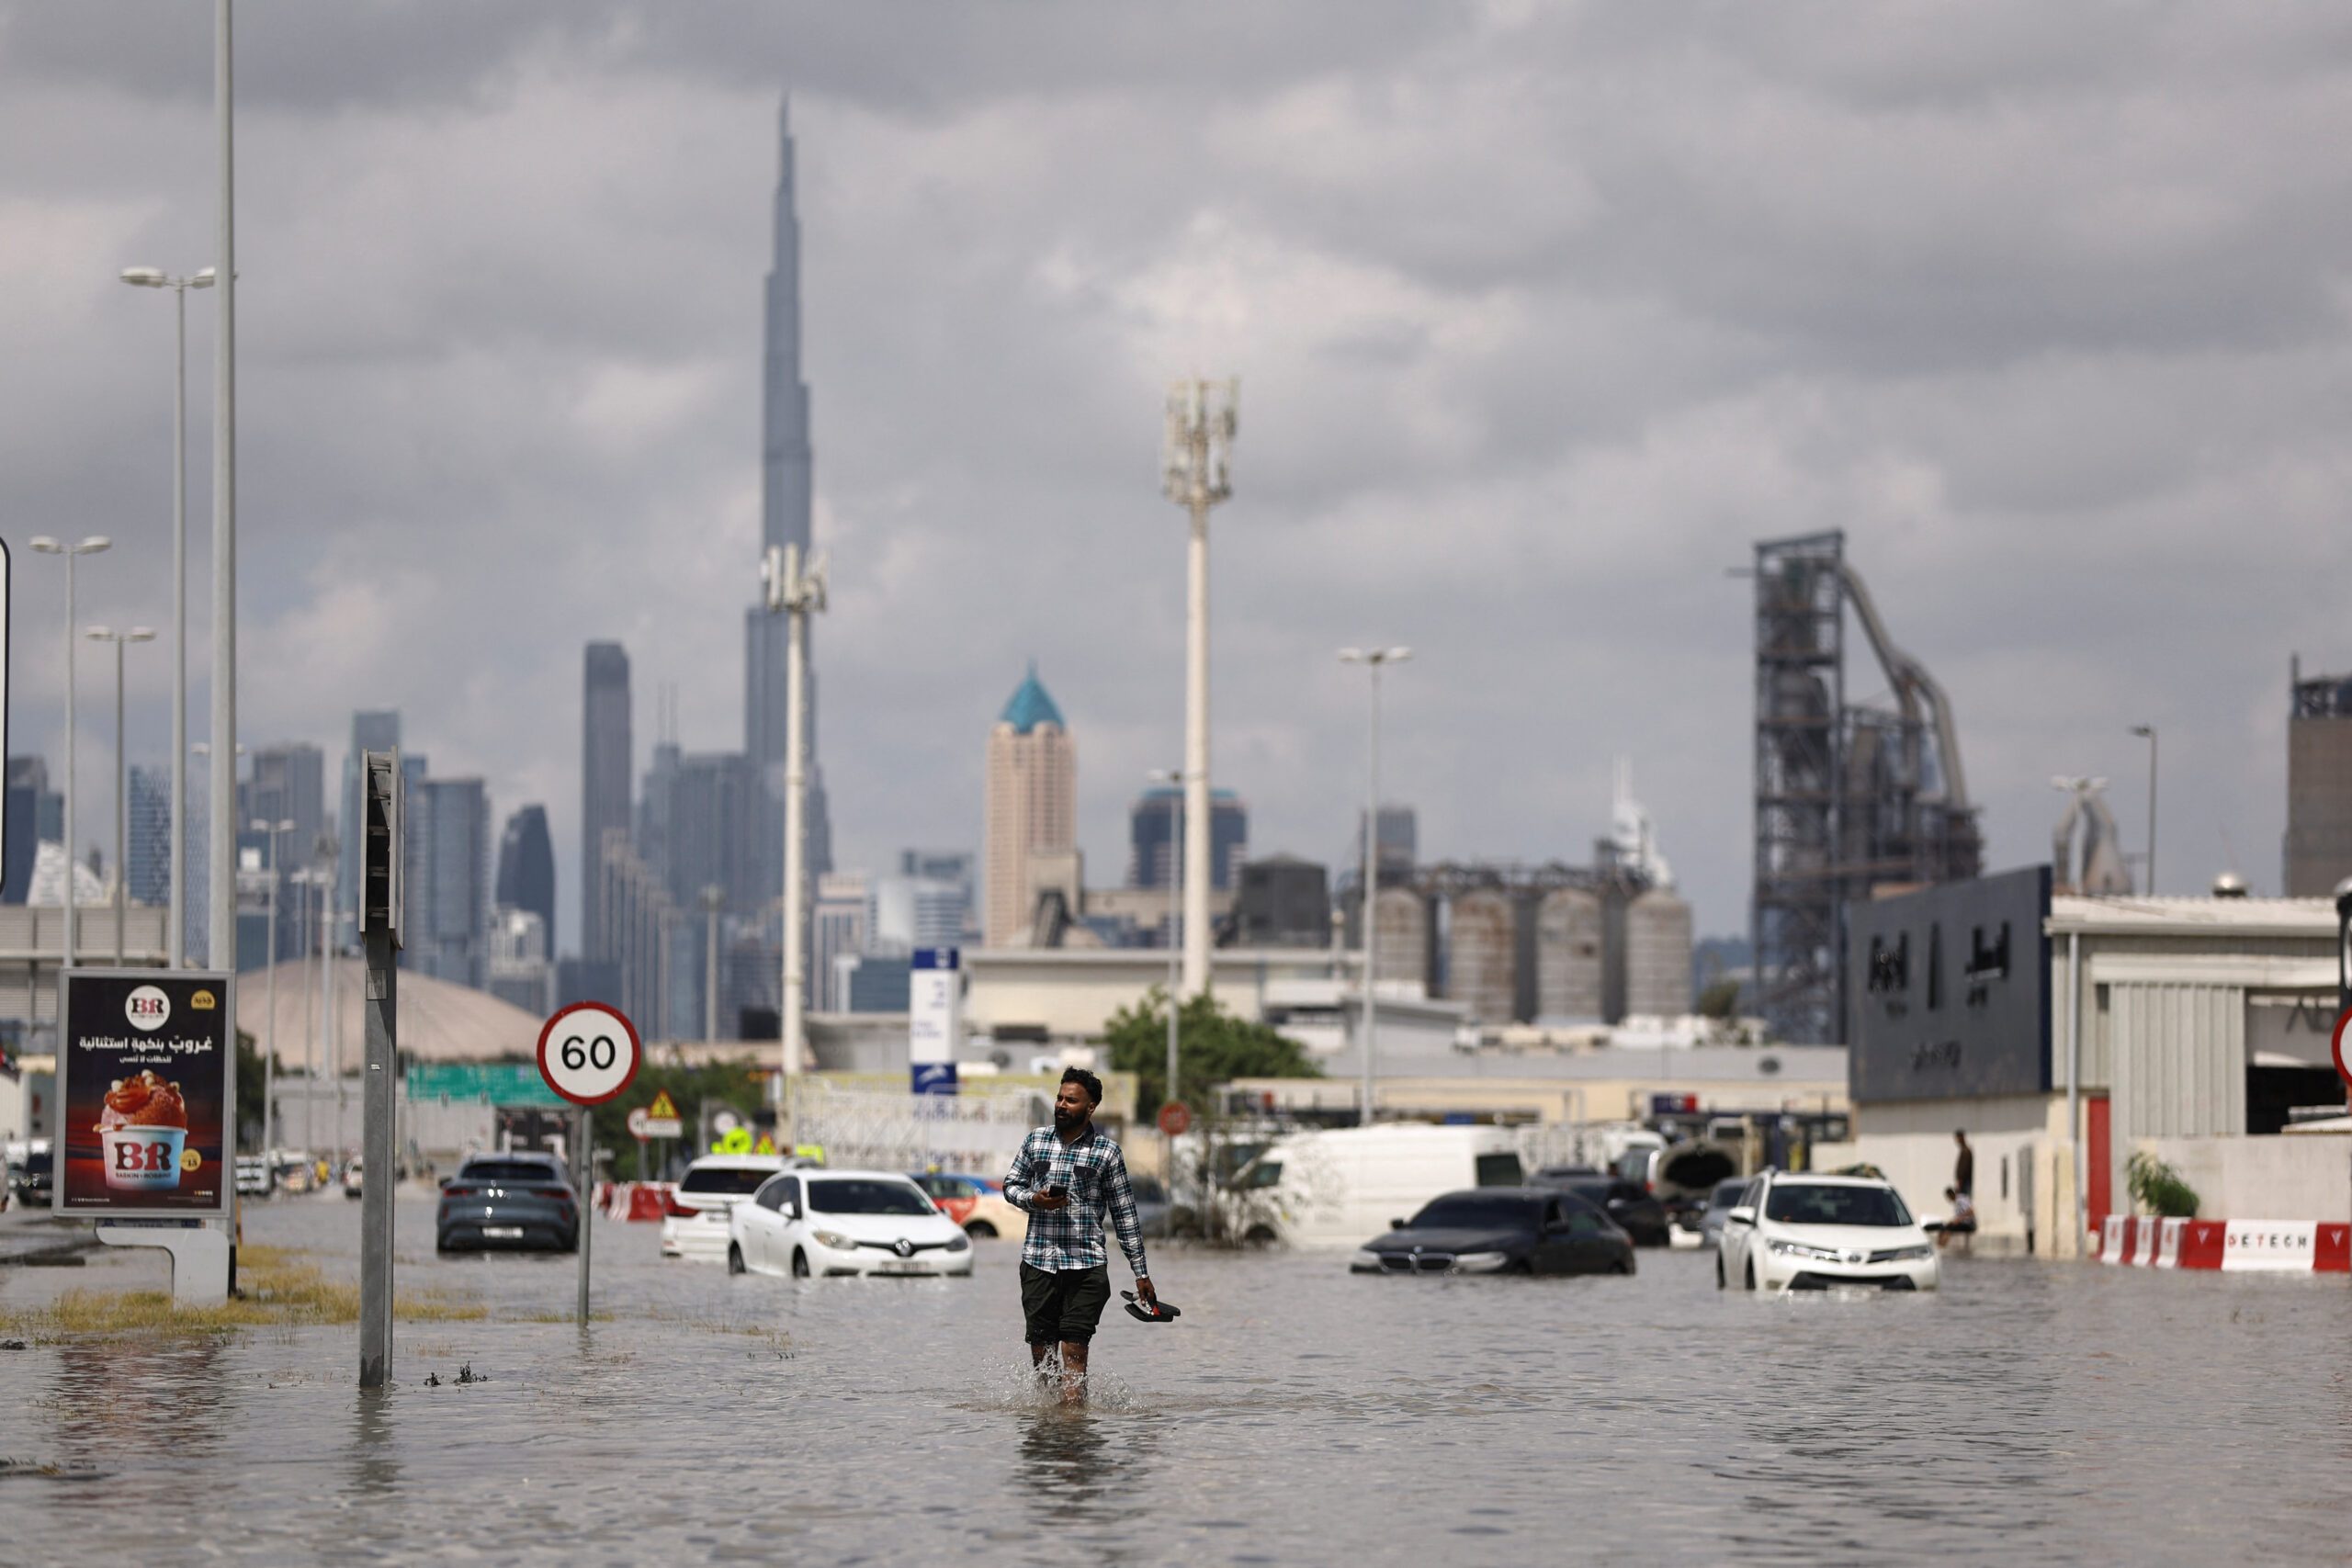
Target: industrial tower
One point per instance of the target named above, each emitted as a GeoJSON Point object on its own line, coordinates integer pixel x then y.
{"type": "Point", "coordinates": [1848, 798]}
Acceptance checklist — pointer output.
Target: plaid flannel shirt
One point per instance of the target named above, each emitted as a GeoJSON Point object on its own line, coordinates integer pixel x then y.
{"type": "Point", "coordinates": [1095, 1173]}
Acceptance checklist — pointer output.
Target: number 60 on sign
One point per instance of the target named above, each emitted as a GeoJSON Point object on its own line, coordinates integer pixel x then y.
{"type": "Point", "coordinates": [588, 1052]}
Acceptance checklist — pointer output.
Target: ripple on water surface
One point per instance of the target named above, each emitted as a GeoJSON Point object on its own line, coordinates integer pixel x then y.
{"type": "Point", "coordinates": [1294, 1414]}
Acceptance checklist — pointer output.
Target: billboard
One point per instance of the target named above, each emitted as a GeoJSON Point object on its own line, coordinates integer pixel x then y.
{"type": "Point", "coordinates": [1950, 991]}
{"type": "Point", "coordinates": [143, 1089]}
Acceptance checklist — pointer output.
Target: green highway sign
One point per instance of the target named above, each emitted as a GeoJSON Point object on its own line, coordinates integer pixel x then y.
{"type": "Point", "coordinates": [501, 1083]}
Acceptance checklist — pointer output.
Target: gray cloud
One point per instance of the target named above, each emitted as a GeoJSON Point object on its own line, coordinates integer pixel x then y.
{"type": "Point", "coordinates": [1543, 314]}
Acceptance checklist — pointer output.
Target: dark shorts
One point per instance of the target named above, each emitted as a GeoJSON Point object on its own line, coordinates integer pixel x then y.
{"type": "Point", "coordinates": [1063, 1307]}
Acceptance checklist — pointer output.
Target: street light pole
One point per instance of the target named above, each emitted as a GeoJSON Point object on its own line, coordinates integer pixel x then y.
{"type": "Point", "coordinates": [269, 1061]}
{"type": "Point", "coordinates": [88, 547]}
{"type": "Point", "coordinates": [794, 588]}
{"type": "Point", "coordinates": [1371, 659]}
{"type": "Point", "coordinates": [222, 849]}
{"type": "Point", "coordinates": [1174, 778]}
{"type": "Point", "coordinates": [121, 783]}
{"type": "Point", "coordinates": [175, 938]}
{"type": "Point", "coordinates": [2148, 733]}
{"type": "Point", "coordinates": [1196, 474]}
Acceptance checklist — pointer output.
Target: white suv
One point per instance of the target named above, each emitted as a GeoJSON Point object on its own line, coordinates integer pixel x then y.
{"type": "Point", "coordinates": [693, 1214]}
{"type": "Point", "coordinates": [1796, 1230]}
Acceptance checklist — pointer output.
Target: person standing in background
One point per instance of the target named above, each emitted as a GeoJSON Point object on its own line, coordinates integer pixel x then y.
{"type": "Point", "coordinates": [1964, 1170]}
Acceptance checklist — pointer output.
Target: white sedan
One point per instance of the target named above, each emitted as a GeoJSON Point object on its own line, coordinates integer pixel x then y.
{"type": "Point", "coordinates": [1795, 1231]}
{"type": "Point", "coordinates": [694, 1216]}
{"type": "Point", "coordinates": [843, 1221]}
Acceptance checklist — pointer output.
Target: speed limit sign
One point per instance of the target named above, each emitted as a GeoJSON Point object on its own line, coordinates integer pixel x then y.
{"type": "Point", "coordinates": [588, 1052]}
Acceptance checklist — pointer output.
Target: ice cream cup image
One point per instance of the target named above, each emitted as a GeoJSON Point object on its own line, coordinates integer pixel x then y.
{"type": "Point", "coordinates": [142, 1160]}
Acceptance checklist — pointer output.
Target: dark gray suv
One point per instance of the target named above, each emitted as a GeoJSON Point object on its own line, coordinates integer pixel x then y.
{"type": "Point", "coordinates": [508, 1201]}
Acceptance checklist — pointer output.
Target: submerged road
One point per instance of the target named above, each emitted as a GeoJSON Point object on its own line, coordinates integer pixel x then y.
{"type": "Point", "coordinates": [2060, 1412]}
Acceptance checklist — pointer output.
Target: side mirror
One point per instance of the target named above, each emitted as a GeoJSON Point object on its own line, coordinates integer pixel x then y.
{"type": "Point", "coordinates": [447, 1179]}
{"type": "Point", "coordinates": [1741, 1215]}
{"type": "Point", "coordinates": [1396, 1224]}
{"type": "Point", "coordinates": [791, 1209]}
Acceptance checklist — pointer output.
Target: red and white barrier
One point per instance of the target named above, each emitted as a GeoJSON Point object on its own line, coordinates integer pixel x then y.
{"type": "Point", "coordinates": [633, 1199]}
{"type": "Point", "coordinates": [2271, 1247]}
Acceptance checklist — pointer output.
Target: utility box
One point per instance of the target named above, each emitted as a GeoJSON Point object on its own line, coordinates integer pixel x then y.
{"type": "Point", "coordinates": [384, 813]}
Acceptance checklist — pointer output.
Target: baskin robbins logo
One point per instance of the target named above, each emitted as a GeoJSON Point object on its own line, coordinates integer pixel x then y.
{"type": "Point", "coordinates": [148, 1008]}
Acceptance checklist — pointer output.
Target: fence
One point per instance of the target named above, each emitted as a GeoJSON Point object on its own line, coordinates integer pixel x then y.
{"type": "Point", "coordinates": [976, 1130]}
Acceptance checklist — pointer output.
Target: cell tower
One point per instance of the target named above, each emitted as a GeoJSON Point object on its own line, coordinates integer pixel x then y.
{"type": "Point", "coordinates": [1848, 798]}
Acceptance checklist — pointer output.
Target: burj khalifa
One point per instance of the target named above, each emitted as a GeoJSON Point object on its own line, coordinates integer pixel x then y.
{"type": "Point", "coordinates": [786, 488]}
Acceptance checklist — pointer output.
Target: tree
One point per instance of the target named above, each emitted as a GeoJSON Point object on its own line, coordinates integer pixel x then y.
{"type": "Point", "coordinates": [1213, 1047]}
{"type": "Point", "coordinates": [1720, 1000]}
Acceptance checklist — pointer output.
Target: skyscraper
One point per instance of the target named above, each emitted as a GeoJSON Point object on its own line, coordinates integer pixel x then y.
{"type": "Point", "coordinates": [36, 813]}
{"type": "Point", "coordinates": [1032, 804]}
{"type": "Point", "coordinates": [786, 488]}
{"type": "Point", "coordinates": [605, 756]}
{"type": "Point", "coordinates": [1152, 824]}
{"type": "Point", "coordinates": [527, 870]}
{"type": "Point", "coordinates": [444, 924]}
{"type": "Point", "coordinates": [149, 857]}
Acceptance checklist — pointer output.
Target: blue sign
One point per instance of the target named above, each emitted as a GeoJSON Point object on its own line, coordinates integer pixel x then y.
{"type": "Point", "coordinates": [936, 958]}
{"type": "Point", "coordinates": [933, 1078]}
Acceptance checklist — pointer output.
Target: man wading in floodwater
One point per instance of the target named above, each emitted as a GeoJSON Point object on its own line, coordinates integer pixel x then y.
{"type": "Point", "coordinates": [1070, 1177]}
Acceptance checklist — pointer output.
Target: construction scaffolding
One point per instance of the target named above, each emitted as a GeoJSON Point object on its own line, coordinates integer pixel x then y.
{"type": "Point", "coordinates": [1850, 799]}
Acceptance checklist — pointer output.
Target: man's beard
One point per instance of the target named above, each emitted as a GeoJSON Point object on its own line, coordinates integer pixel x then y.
{"type": "Point", "coordinates": [1067, 1120]}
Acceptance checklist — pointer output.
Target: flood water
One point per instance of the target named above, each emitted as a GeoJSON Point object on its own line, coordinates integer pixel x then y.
{"type": "Point", "coordinates": [2055, 1413]}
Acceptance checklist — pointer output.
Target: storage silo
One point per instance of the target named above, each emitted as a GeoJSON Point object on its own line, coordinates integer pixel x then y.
{"type": "Point", "coordinates": [1657, 954]}
{"type": "Point", "coordinates": [1481, 967]}
{"type": "Point", "coordinates": [1568, 955]}
{"type": "Point", "coordinates": [1402, 917]}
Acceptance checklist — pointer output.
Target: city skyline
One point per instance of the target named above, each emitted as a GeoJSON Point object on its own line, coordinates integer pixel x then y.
{"type": "Point", "coordinates": [1604, 418]}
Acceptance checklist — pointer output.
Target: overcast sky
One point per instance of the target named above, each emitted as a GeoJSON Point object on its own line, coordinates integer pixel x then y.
{"type": "Point", "coordinates": [1544, 314]}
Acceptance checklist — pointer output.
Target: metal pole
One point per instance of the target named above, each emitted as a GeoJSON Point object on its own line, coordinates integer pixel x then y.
{"type": "Point", "coordinates": [1175, 845]}
{"type": "Point", "coordinates": [1197, 838]}
{"type": "Point", "coordinates": [586, 1156]}
{"type": "Point", "coordinates": [710, 900]}
{"type": "Point", "coordinates": [2151, 810]}
{"type": "Point", "coordinates": [795, 783]}
{"type": "Point", "coordinates": [121, 814]}
{"type": "Point", "coordinates": [331, 1025]}
{"type": "Point", "coordinates": [222, 848]}
{"type": "Point", "coordinates": [70, 748]}
{"type": "Point", "coordinates": [269, 1062]}
{"type": "Point", "coordinates": [175, 938]}
{"type": "Point", "coordinates": [376, 1153]}
{"type": "Point", "coordinates": [309, 1018]}
{"type": "Point", "coordinates": [1371, 897]}
{"type": "Point", "coordinates": [2075, 1086]}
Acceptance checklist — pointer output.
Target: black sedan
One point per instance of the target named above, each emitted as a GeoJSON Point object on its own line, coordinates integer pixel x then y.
{"type": "Point", "coordinates": [1638, 1214]}
{"type": "Point", "coordinates": [513, 1200]}
{"type": "Point", "coordinates": [1500, 1230]}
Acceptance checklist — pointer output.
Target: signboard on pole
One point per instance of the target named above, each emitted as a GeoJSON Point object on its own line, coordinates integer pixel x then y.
{"type": "Point", "coordinates": [2336, 1047]}
{"type": "Point", "coordinates": [935, 1018]}
{"type": "Point", "coordinates": [661, 1118]}
{"type": "Point", "coordinates": [144, 1078]}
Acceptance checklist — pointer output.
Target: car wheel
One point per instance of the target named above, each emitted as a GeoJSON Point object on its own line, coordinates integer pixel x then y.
{"type": "Point", "coordinates": [980, 1230]}
{"type": "Point", "coordinates": [1259, 1235]}
{"type": "Point", "coordinates": [1751, 1273]}
{"type": "Point", "coordinates": [734, 1258]}
{"type": "Point", "coordinates": [799, 1264]}
{"type": "Point", "coordinates": [1721, 1282]}
{"type": "Point", "coordinates": [1624, 1267]}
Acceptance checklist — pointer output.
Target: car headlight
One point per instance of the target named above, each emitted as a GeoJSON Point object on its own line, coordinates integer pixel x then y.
{"type": "Point", "coordinates": [1799, 1249]}
{"type": "Point", "coordinates": [833, 1239]}
{"type": "Point", "coordinates": [1365, 1260]}
{"type": "Point", "coordinates": [1910, 1254]}
{"type": "Point", "coordinates": [961, 1243]}
{"type": "Point", "coordinates": [1480, 1262]}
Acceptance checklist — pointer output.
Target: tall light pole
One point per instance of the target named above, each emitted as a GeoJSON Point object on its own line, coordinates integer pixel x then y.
{"type": "Point", "coordinates": [2148, 733]}
{"type": "Point", "coordinates": [88, 547]}
{"type": "Point", "coordinates": [175, 938]}
{"type": "Point", "coordinates": [121, 782]}
{"type": "Point", "coordinates": [222, 849]}
{"type": "Point", "coordinates": [794, 588]}
{"type": "Point", "coordinates": [1373, 660]}
{"type": "Point", "coordinates": [1196, 459]}
{"type": "Point", "coordinates": [269, 1062]}
{"type": "Point", "coordinates": [713, 899]}
{"type": "Point", "coordinates": [1174, 778]}
{"type": "Point", "coordinates": [204, 749]}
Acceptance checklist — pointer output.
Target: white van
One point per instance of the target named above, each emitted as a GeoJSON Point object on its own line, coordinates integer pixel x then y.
{"type": "Point", "coordinates": [1340, 1186]}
